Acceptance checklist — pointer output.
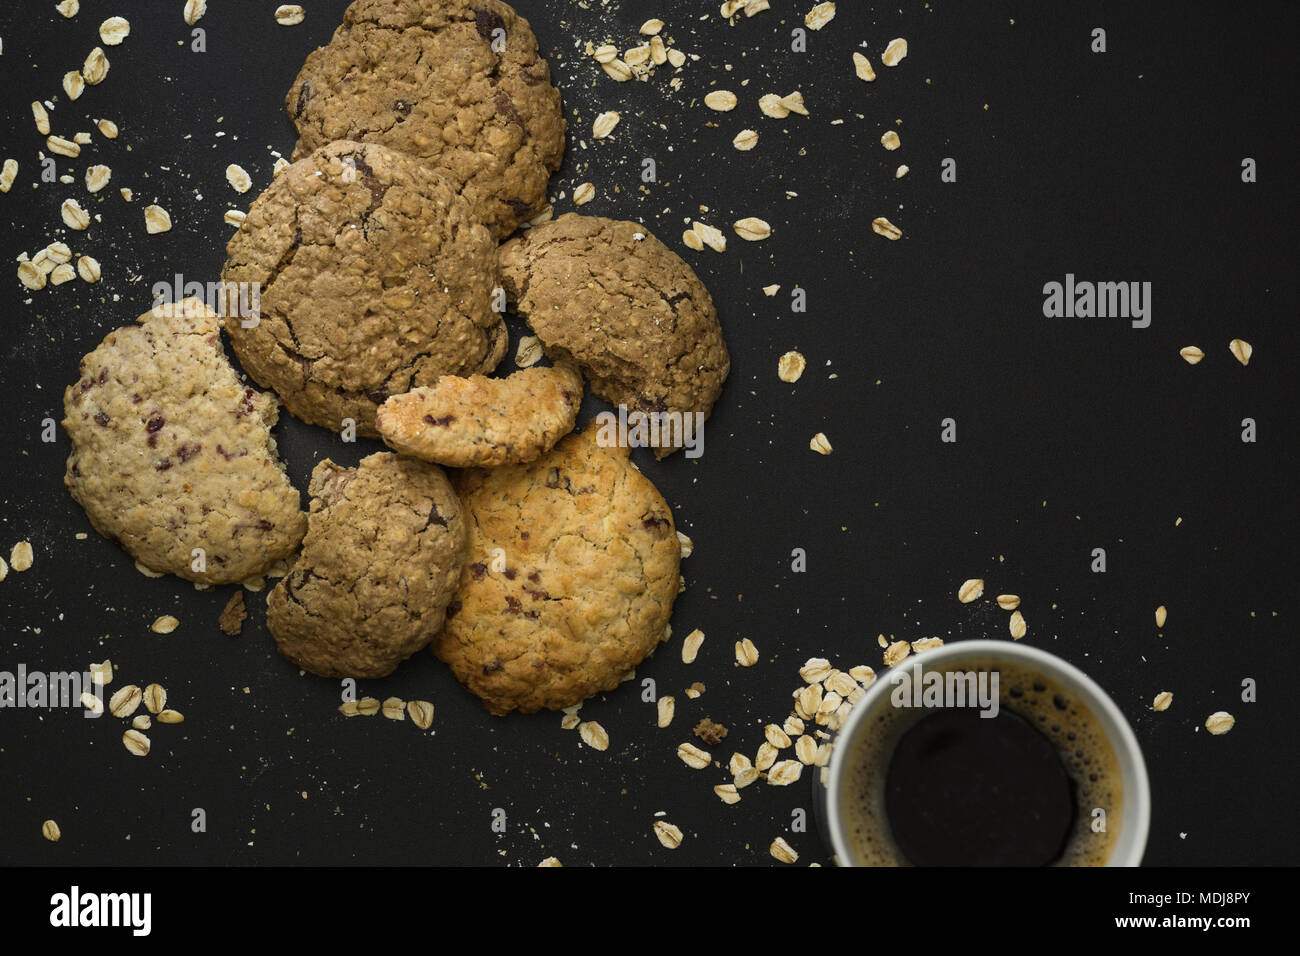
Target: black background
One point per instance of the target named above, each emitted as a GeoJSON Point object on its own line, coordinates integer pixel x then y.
{"type": "Point", "coordinates": [1073, 434]}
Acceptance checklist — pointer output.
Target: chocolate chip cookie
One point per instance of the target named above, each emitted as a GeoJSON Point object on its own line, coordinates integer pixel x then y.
{"type": "Point", "coordinates": [374, 278]}
{"type": "Point", "coordinates": [172, 454]}
{"type": "Point", "coordinates": [382, 557]}
{"type": "Point", "coordinates": [618, 302]}
{"type": "Point", "coordinates": [458, 83]}
{"type": "Point", "coordinates": [571, 576]}
{"type": "Point", "coordinates": [479, 421]}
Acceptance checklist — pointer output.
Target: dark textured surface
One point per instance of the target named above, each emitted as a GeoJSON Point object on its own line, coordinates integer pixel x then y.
{"type": "Point", "coordinates": [1073, 433]}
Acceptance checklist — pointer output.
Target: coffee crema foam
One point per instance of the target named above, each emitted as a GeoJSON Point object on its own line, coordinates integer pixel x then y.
{"type": "Point", "coordinates": [1071, 727]}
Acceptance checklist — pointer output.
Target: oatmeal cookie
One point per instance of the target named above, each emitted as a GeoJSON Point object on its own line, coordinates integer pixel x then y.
{"type": "Point", "coordinates": [374, 278]}
{"type": "Point", "coordinates": [478, 421]}
{"type": "Point", "coordinates": [623, 306]}
{"type": "Point", "coordinates": [383, 553]}
{"type": "Point", "coordinates": [172, 452]}
{"type": "Point", "coordinates": [458, 83]}
{"type": "Point", "coordinates": [571, 576]}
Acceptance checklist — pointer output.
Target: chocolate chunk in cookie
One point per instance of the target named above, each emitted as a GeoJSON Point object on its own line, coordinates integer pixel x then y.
{"type": "Point", "coordinates": [381, 560]}
{"type": "Point", "coordinates": [571, 574]}
{"type": "Point", "coordinates": [374, 278]}
{"type": "Point", "coordinates": [478, 421]}
{"type": "Point", "coordinates": [172, 454]}
{"type": "Point", "coordinates": [618, 302]}
{"type": "Point", "coordinates": [458, 83]}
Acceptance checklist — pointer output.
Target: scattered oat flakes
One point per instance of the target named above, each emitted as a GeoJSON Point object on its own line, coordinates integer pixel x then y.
{"type": "Point", "coordinates": [710, 236]}
{"type": "Point", "coordinates": [238, 178]}
{"type": "Point", "coordinates": [693, 756]}
{"type": "Point", "coordinates": [805, 748]}
{"type": "Point", "coordinates": [1008, 602]}
{"type": "Point", "coordinates": [50, 830]}
{"type": "Point", "coordinates": [889, 139]}
{"type": "Point", "coordinates": [863, 674]}
{"type": "Point", "coordinates": [637, 56]}
{"type": "Point", "coordinates": [550, 861]}
{"type": "Point", "coordinates": [569, 721]}
{"type": "Point", "coordinates": [1162, 701]}
{"type": "Point", "coordinates": [1191, 354]}
{"type": "Point", "coordinates": [421, 713]}
{"type": "Point", "coordinates": [765, 757]}
{"type": "Point", "coordinates": [172, 717]}
{"type": "Point", "coordinates": [691, 239]}
{"type": "Point", "coordinates": [289, 15]}
{"type": "Point", "coordinates": [1241, 351]}
{"type": "Point", "coordinates": [236, 217]}
{"type": "Point", "coordinates": [593, 735]}
{"type": "Point", "coordinates": [896, 652]}
{"type": "Point", "coordinates": [883, 227]}
{"type": "Point", "coordinates": [62, 147]}
{"type": "Point", "coordinates": [279, 166]}
{"type": "Point", "coordinates": [727, 793]}
{"type": "Point", "coordinates": [771, 105]}
{"type": "Point", "coordinates": [101, 673]}
{"type": "Point", "coordinates": [156, 219]}
{"type": "Point", "coordinates": [92, 702]}
{"type": "Point", "coordinates": [1017, 625]}
{"type": "Point", "coordinates": [745, 140]}
{"type": "Point", "coordinates": [8, 174]}
{"type": "Point", "coordinates": [819, 16]}
{"type": "Point", "coordinates": [1219, 722]}
{"type": "Point", "coordinates": [901, 171]}
{"type": "Point", "coordinates": [691, 646]}
{"type": "Point", "coordinates": [126, 193]}
{"type": "Point", "coordinates": [20, 556]}
{"type": "Point", "coordinates": [154, 697]}
{"type": "Point", "coordinates": [794, 103]}
{"type": "Point", "coordinates": [783, 851]}
{"type": "Point", "coordinates": [665, 708]}
{"type": "Point", "coordinates": [31, 276]}
{"type": "Point", "coordinates": [752, 229]}
{"type": "Point", "coordinates": [617, 70]}
{"type": "Point", "coordinates": [97, 177]}
{"type": "Point", "coordinates": [651, 28]}
{"type": "Point", "coordinates": [970, 590]}
{"type": "Point", "coordinates": [669, 835]}
{"type": "Point", "coordinates": [862, 67]}
{"type": "Point", "coordinates": [368, 706]}
{"type": "Point", "coordinates": [1162, 615]}
{"type": "Point", "coordinates": [125, 701]}
{"type": "Point", "coordinates": [695, 690]}
{"type": "Point", "coordinates": [107, 128]}
{"type": "Point", "coordinates": [96, 67]}
{"type": "Point", "coordinates": [394, 708]}
{"type": "Point", "coordinates": [142, 722]}
{"type": "Point", "coordinates": [894, 52]}
{"type": "Point", "coordinates": [41, 117]}
{"type": "Point", "coordinates": [926, 644]}
{"type": "Point", "coordinates": [348, 708]}
{"type": "Point", "coordinates": [62, 273]}
{"type": "Point", "coordinates": [784, 773]}
{"type": "Point", "coordinates": [746, 653]}
{"type": "Point", "coordinates": [136, 742]}
{"type": "Point", "coordinates": [722, 101]}
{"type": "Point", "coordinates": [821, 444]}
{"type": "Point", "coordinates": [194, 10]}
{"type": "Point", "coordinates": [584, 194]}
{"type": "Point", "coordinates": [164, 625]}
{"type": "Point", "coordinates": [790, 366]}
{"type": "Point", "coordinates": [604, 124]}
{"type": "Point", "coordinates": [73, 84]}
{"type": "Point", "coordinates": [777, 737]}
{"type": "Point", "coordinates": [676, 58]}
{"type": "Point", "coordinates": [114, 30]}
{"type": "Point", "coordinates": [815, 670]}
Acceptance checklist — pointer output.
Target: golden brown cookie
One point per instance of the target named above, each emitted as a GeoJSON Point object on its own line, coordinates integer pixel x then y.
{"type": "Point", "coordinates": [172, 454]}
{"type": "Point", "coordinates": [374, 278]}
{"type": "Point", "coordinates": [382, 557]}
{"type": "Point", "coordinates": [571, 574]}
{"type": "Point", "coordinates": [458, 83]}
{"type": "Point", "coordinates": [618, 302]}
{"type": "Point", "coordinates": [479, 421]}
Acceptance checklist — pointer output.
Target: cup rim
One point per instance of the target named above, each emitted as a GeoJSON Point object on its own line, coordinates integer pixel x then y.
{"type": "Point", "coordinates": [1128, 753]}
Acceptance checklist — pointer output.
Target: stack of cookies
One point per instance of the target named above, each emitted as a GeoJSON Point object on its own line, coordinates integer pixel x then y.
{"type": "Point", "coordinates": [545, 566]}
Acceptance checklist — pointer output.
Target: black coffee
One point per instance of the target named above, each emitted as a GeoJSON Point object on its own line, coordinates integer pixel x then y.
{"type": "Point", "coordinates": [966, 790]}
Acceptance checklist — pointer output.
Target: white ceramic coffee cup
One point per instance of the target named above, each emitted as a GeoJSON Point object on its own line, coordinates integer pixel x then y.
{"type": "Point", "coordinates": [1135, 817]}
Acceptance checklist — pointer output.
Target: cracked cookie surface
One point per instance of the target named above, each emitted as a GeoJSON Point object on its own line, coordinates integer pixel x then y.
{"type": "Point", "coordinates": [570, 577]}
{"type": "Point", "coordinates": [614, 299]}
{"type": "Point", "coordinates": [381, 559]}
{"type": "Point", "coordinates": [480, 421]}
{"type": "Point", "coordinates": [374, 278]}
{"type": "Point", "coordinates": [458, 83]}
{"type": "Point", "coordinates": [171, 451]}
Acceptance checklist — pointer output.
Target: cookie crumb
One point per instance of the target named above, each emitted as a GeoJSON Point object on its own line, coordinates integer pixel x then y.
{"type": "Point", "coordinates": [711, 732]}
{"type": "Point", "coordinates": [232, 617]}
